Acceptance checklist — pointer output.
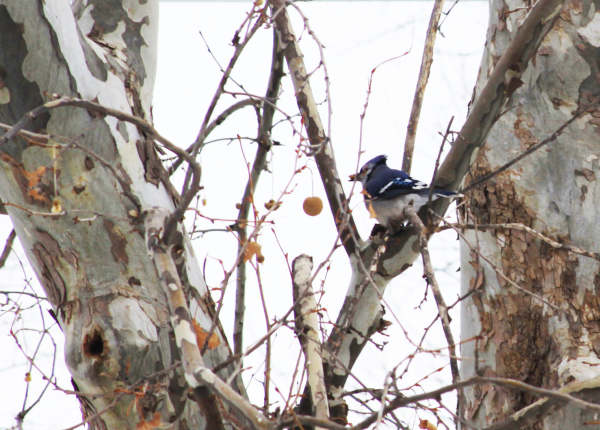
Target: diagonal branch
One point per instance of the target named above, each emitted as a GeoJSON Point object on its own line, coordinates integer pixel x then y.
{"type": "Point", "coordinates": [7, 247]}
{"type": "Point", "coordinates": [323, 151]}
{"type": "Point", "coordinates": [563, 395]}
{"type": "Point", "coordinates": [533, 148]}
{"type": "Point", "coordinates": [197, 375]}
{"type": "Point", "coordinates": [486, 110]}
{"type": "Point", "coordinates": [497, 91]}
{"type": "Point", "coordinates": [227, 112]}
{"type": "Point", "coordinates": [239, 47]}
{"type": "Point", "coordinates": [415, 113]}
{"type": "Point", "coordinates": [432, 281]}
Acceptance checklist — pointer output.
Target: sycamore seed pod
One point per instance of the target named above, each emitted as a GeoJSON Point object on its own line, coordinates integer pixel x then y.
{"type": "Point", "coordinates": [312, 206]}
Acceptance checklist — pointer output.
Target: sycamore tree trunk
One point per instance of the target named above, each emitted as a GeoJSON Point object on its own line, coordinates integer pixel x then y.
{"type": "Point", "coordinates": [534, 309]}
{"type": "Point", "coordinates": [78, 200]}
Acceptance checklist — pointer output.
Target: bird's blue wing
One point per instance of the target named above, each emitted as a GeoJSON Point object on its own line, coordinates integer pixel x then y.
{"type": "Point", "coordinates": [389, 183]}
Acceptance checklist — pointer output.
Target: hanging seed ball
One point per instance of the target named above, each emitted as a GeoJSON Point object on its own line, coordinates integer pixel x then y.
{"type": "Point", "coordinates": [312, 206]}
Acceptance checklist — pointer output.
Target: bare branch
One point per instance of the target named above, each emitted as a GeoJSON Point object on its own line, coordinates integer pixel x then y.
{"type": "Point", "coordinates": [415, 113]}
{"type": "Point", "coordinates": [432, 281]}
{"type": "Point", "coordinates": [307, 329]}
{"type": "Point", "coordinates": [501, 273]}
{"type": "Point", "coordinates": [321, 146]}
{"type": "Point", "coordinates": [533, 148]}
{"type": "Point", "coordinates": [7, 247]}
{"type": "Point", "coordinates": [308, 420]}
{"type": "Point", "coordinates": [197, 375]}
{"type": "Point", "coordinates": [215, 123]}
{"type": "Point", "coordinates": [190, 191]}
{"type": "Point", "coordinates": [497, 90]}
{"type": "Point", "coordinates": [564, 394]}
{"type": "Point", "coordinates": [437, 160]}
{"type": "Point", "coordinates": [239, 47]}
{"type": "Point", "coordinates": [264, 146]}
{"type": "Point", "coordinates": [522, 227]}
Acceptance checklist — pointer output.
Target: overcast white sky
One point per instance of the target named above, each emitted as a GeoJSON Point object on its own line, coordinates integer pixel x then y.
{"type": "Point", "coordinates": [356, 37]}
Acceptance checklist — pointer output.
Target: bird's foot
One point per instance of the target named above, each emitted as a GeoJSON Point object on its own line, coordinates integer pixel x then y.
{"type": "Point", "coordinates": [378, 230]}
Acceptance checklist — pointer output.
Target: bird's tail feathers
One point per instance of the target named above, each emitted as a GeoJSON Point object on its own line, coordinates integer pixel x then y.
{"type": "Point", "coordinates": [447, 194]}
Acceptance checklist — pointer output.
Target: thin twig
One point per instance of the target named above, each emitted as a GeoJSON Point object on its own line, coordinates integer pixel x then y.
{"type": "Point", "coordinates": [522, 227]}
{"type": "Point", "coordinates": [532, 148]}
{"type": "Point", "coordinates": [215, 123]}
{"type": "Point", "coordinates": [411, 213]}
{"type": "Point", "coordinates": [239, 47]}
{"type": "Point", "coordinates": [260, 159]}
{"type": "Point", "coordinates": [498, 271]}
{"type": "Point", "coordinates": [437, 160]}
{"type": "Point", "coordinates": [258, 225]}
{"type": "Point", "coordinates": [562, 394]}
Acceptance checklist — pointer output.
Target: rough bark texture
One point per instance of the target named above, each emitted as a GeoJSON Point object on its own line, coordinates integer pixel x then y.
{"type": "Point", "coordinates": [554, 190]}
{"type": "Point", "coordinates": [90, 255]}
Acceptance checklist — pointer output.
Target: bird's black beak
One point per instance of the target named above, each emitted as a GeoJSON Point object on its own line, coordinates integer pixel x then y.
{"type": "Point", "coordinates": [353, 177]}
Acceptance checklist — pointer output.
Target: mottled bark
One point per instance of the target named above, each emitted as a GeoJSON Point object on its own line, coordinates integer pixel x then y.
{"type": "Point", "coordinates": [307, 329]}
{"type": "Point", "coordinates": [547, 335]}
{"type": "Point", "coordinates": [78, 203]}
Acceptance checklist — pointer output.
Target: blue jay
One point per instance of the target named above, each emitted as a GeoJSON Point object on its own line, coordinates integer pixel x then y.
{"type": "Point", "coordinates": [388, 191]}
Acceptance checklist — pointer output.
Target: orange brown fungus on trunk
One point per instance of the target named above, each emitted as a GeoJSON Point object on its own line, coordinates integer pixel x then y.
{"type": "Point", "coordinates": [202, 337]}
{"type": "Point", "coordinates": [36, 185]}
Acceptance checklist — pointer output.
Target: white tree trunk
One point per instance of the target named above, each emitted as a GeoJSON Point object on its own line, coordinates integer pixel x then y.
{"type": "Point", "coordinates": [535, 308]}
{"type": "Point", "coordinates": [78, 210]}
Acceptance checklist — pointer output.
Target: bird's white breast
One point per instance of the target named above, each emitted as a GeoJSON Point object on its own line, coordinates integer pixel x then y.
{"type": "Point", "coordinates": [391, 211]}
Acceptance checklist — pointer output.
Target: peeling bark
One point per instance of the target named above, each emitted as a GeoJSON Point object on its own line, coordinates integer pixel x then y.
{"type": "Point", "coordinates": [534, 311]}
{"type": "Point", "coordinates": [77, 205]}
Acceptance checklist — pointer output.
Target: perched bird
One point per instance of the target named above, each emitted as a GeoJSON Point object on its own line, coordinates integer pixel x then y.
{"type": "Point", "coordinates": [388, 191]}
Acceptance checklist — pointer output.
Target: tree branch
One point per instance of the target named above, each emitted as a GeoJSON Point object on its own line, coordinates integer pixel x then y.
{"type": "Point", "coordinates": [322, 149]}
{"type": "Point", "coordinates": [214, 124]}
{"type": "Point", "coordinates": [429, 274]}
{"type": "Point", "coordinates": [497, 90]}
{"type": "Point", "coordinates": [239, 47]}
{"type": "Point", "coordinates": [307, 330]}
{"type": "Point", "coordinates": [144, 125]}
{"type": "Point", "coordinates": [264, 146]}
{"type": "Point", "coordinates": [522, 227]}
{"type": "Point", "coordinates": [197, 375]}
{"type": "Point", "coordinates": [532, 148]}
{"type": "Point", "coordinates": [415, 113]}
{"type": "Point", "coordinates": [564, 395]}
